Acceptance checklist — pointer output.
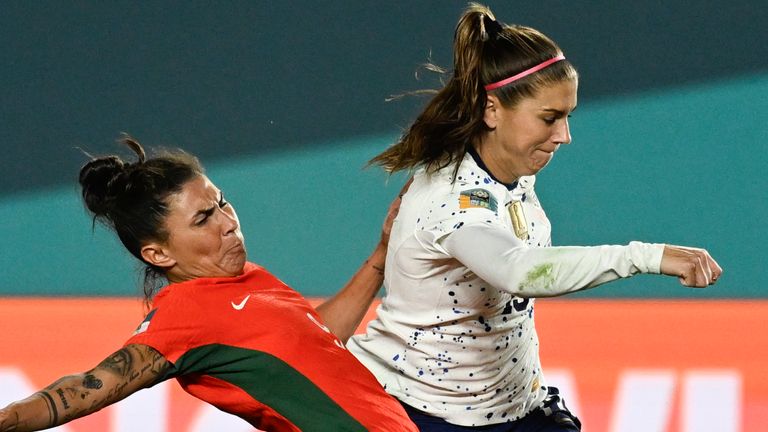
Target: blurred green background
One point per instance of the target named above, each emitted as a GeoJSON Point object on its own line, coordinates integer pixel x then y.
{"type": "Point", "coordinates": [284, 104]}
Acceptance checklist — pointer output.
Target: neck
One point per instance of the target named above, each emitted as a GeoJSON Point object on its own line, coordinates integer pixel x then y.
{"type": "Point", "coordinates": [494, 165]}
{"type": "Point", "coordinates": [174, 278]}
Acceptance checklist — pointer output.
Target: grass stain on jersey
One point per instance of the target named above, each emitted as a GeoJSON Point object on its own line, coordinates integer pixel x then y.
{"type": "Point", "coordinates": [539, 278]}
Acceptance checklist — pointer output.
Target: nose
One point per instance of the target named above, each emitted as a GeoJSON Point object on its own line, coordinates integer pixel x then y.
{"type": "Point", "coordinates": [229, 223]}
{"type": "Point", "coordinates": [562, 133]}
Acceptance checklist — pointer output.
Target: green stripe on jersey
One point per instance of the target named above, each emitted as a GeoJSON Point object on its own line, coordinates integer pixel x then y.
{"type": "Point", "coordinates": [272, 382]}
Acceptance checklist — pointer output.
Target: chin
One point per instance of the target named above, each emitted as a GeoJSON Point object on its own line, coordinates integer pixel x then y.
{"type": "Point", "coordinates": [235, 266]}
{"type": "Point", "coordinates": [240, 266]}
{"type": "Point", "coordinates": [532, 171]}
{"type": "Point", "coordinates": [538, 167]}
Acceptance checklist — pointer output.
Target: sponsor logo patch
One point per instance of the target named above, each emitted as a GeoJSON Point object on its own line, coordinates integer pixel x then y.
{"type": "Point", "coordinates": [477, 198]}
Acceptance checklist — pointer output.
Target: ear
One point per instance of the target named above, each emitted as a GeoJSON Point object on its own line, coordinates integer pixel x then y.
{"type": "Point", "coordinates": [155, 254]}
{"type": "Point", "coordinates": [491, 113]}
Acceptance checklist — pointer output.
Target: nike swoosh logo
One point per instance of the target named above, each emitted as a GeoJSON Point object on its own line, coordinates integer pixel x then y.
{"type": "Point", "coordinates": [241, 305]}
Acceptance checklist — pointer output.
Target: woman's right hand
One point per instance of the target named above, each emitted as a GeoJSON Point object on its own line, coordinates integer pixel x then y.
{"type": "Point", "coordinates": [693, 267]}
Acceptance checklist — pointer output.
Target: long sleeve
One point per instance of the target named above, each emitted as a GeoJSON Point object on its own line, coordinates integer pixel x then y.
{"type": "Point", "coordinates": [504, 261]}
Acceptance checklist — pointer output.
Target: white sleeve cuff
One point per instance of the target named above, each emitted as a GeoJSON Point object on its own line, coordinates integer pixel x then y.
{"type": "Point", "coordinates": [646, 257]}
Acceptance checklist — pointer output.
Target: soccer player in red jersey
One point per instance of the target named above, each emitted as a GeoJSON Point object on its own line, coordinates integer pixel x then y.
{"type": "Point", "coordinates": [231, 333]}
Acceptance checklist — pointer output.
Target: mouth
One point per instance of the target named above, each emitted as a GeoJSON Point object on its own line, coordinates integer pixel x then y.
{"type": "Point", "coordinates": [548, 151]}
{"type": "Point", "coordinates": [236, 248]}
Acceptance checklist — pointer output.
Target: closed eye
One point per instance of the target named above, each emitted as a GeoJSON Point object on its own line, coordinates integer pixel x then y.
{"type": "Point", "coordinates": [204, 215]}
{"type": "Point", "coordinates": [201, 217]}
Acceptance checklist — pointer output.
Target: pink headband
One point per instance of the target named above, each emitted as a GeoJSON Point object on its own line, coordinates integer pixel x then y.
{"type": "Point", "coordinates": [524, 73]}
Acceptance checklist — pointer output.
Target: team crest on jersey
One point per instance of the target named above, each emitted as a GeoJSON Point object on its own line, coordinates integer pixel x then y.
{"type": "Point", "coordinates": [145, 324]}
{"type": "Point", "coordinates": [477, 198]}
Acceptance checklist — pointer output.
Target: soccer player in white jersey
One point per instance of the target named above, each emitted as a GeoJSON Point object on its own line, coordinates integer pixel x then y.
{"type": "Point", "coordinates": [454, 339]}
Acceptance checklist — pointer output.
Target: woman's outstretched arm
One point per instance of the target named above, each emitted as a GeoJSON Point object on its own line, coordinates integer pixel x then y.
{"type": "Point", "coordinates": [343, 312]}
{"type": "Point", "coordinates": [126, 371]}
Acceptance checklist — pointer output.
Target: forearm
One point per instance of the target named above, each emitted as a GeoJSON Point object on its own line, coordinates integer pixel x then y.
{"type": "Point", "coordinates": [66, 399]}
{"type": "Point", "coordinates": [125, 371]}
{"type": "Point", "coordinates": [507, 264]}
{"type": "Point", "coordinates": [343, 312]}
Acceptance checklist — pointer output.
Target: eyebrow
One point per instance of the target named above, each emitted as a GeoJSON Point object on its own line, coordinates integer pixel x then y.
{"type": "Point", "coordinates": [557, 111]}
{"type": "Point", "coordinates": [205, 213]}
{"type": "Point", "coordinates": [208, 211]}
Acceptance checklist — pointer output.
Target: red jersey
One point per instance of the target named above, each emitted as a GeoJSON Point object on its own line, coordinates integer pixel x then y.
{"type": "Point", "coordinates": [255, 348]}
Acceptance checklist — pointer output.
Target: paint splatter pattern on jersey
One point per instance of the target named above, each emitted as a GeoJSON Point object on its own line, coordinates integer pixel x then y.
{"type": "Point", "coordinates": [494, 354]}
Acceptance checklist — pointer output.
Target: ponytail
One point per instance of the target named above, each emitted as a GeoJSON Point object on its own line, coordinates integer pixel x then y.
{"type": "Point", "coordinates": [453, 119]}
{"type": "Point", "coordinates": [484, 51]}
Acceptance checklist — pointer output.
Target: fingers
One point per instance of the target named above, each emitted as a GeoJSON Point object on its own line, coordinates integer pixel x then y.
{"type": "Point", "coordinates": [697, 274]}
{"type": "Point", "coordinates": [405, 187]}
{"type": "Point", "coordinates": [693, 267]}
{"type": "Point", "coordinates": [717, 271]}
{"type": "Point", "coordinates": [707, 269]}
{"type": "Point", "coordinates": [687, 273]}
{"type": "Point", "coordinates": [703, 272]}
{"type": "Point", "coordinates": [394, 209]}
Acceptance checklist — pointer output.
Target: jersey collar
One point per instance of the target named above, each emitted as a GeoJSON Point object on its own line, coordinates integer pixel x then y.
{"type": "Point", "coordinates": [472, 152]}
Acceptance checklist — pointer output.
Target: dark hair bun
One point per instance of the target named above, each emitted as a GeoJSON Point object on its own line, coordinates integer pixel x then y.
{"type": "Point", "coordinates": [96, 179]}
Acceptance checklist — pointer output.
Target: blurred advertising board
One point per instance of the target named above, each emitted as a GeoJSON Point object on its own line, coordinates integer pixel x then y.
{"type": "Point", "coordinates": [623, 366]}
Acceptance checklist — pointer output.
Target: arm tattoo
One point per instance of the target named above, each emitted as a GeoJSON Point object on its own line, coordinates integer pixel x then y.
{"type": "Point", "coordinates": [53, 414]}
{"type": "Point", "coordinates": [57, 382]}
{"type": "Point", "coordinates": [125, 371]}
{"type": "Point", "coordinates": [379, 268]}
{"type": "Point", "coordinates": [63, 398]}
{"type": "Point", "coordinates": [91, 382]}
{"type": "Point", "coordinates": [155, 362]}
{"type": "Point", "coordinates": [130, 363]}
{"type": "Point", "coordinates": [120, 362]}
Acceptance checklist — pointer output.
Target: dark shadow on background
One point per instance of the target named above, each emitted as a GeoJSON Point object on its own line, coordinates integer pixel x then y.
{"type": "Point", "coordinates": [243, 78]}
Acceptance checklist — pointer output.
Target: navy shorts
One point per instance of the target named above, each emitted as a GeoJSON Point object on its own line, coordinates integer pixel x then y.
{"type": "Point", "coordinates": [552, 416]}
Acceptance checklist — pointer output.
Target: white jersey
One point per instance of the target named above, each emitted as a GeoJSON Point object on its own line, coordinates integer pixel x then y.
{"type": "Point", "coordinates": [455, 336]}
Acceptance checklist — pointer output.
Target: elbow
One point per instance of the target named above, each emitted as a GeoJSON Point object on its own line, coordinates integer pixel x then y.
{"type": "Point", "coordinates": [539, 281]}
